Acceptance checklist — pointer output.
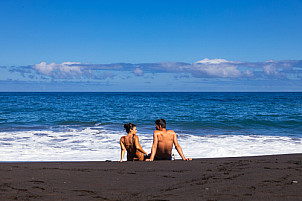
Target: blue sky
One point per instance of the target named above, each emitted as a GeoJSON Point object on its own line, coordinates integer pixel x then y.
{"type": "Point", "coordinates": [214, 45]}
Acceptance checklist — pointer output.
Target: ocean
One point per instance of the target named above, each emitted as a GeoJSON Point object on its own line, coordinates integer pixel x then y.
{"type": "Point", "coordinates": [88, 126]}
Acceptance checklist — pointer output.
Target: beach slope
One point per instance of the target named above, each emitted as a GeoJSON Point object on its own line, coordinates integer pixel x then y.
{"type": "Point", "coordinates": [276, 177]}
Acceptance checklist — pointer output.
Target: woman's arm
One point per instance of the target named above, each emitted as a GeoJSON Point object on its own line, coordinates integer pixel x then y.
{"type": "Point", "coordinates": [138, 146]}
{"type": "Point", "coordinates": [122, 149]}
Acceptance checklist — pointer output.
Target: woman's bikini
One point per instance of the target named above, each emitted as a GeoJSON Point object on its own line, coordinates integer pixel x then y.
{"type": "Point", "coordinates": [132, 152]}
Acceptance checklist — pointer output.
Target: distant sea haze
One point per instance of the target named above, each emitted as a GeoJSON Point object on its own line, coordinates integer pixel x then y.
{"type": "Point", "coordinates": [87, 126]}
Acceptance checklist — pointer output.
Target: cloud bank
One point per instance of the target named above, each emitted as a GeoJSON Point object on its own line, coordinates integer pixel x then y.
{"type": "Point", "coordinates": [205, 68]}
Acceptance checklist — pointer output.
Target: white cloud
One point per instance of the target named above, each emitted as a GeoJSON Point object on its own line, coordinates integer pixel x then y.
{"type": "Point", "coordinates": [45, 68]}
{"type": "Point", "coordinates": [224, 71]}
{"type": "Point", "coordinates": [215, 68]}
{"type": "Point", "coordinates": [63, 70]}
{"type": "Point", "coordinates": [211, 61]}
{"type": "Point", "coordinates": [205, 68]}
{"type": "Point", "coordinates": [270, 69]}
{"type": "Point", "coordinates": [249, 73]}
{"type": "Point", "coordinates": [138, 72]}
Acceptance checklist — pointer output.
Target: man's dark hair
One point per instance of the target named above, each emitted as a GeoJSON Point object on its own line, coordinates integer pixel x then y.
{"type": "Point", "coordinates": [161, 122]}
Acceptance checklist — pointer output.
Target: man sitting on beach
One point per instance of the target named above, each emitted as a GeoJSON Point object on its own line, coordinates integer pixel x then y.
{"type": "Point", "coordinates": [163, 141]}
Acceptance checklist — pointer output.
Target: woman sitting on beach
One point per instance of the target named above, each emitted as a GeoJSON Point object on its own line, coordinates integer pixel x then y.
{"type": "Point", "coordinates": [131, 143]}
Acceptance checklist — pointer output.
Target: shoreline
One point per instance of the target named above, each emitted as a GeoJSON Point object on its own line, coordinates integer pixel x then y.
{"type": "Point", "coordinates": [125, 160]}
{"type": "Point", "coordinates": [269, 177]}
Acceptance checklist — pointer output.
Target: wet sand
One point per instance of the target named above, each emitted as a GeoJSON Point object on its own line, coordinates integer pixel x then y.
{"type": "Point", "coordinates": [277, 177]}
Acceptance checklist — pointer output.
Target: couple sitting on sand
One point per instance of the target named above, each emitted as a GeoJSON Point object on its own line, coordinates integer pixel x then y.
{"type": "Point", "coordinates": [163, 141]}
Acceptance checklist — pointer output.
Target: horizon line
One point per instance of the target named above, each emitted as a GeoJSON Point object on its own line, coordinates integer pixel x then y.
{"type": "Point", "coordinates": [150, 91]}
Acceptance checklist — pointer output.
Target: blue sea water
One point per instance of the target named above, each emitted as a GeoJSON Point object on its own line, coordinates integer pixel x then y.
{"type": "Point", "coordinates": [87, 126]}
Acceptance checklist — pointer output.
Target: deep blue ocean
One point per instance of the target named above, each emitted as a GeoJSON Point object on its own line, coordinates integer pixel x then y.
{"type": "Point", "coordinates": [87, 126]}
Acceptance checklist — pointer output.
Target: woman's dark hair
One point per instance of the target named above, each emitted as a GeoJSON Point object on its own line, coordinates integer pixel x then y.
{"type": "Point", "coordinates": [129, 127]}
{"type": "Point", "coordinates": [161, 122]}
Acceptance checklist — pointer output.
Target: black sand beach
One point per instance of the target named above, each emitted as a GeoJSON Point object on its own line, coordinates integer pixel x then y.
{"type": "Point", "coordinates": [277, 177]}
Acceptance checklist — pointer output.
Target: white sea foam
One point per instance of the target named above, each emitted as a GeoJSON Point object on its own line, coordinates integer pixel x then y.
{"type": "Point", "coordinates": [99, 144]}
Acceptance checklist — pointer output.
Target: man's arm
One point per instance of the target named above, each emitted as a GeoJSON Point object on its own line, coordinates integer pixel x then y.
{"type": "Point", "coordinates": [122, 149]}
{"type": "Point", "coordinates": [154, 146]}
{"type": "Point", "coordinates": [178, 148]}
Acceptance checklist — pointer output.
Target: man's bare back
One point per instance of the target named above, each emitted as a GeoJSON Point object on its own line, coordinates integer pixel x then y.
{"type": "Point", "coordinates": [165, 144]}
{"type": "Point", "coordinates": [163, 141]}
